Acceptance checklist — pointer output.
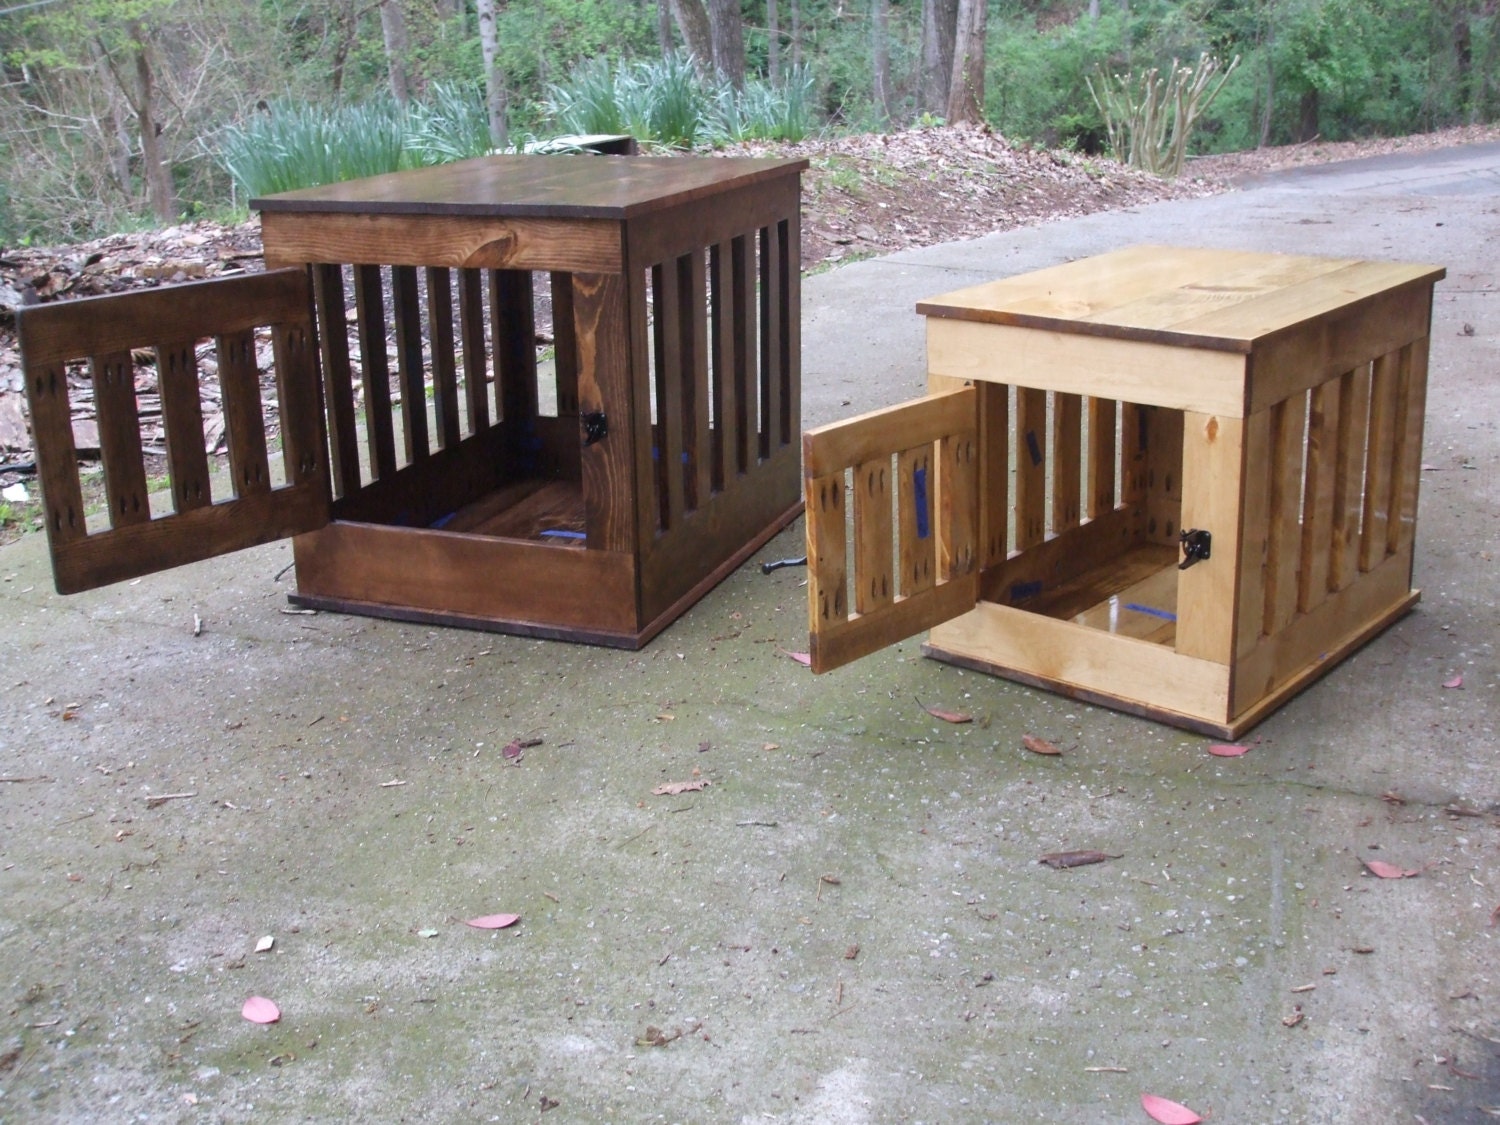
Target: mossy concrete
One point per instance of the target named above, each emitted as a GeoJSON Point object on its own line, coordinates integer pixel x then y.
{"type": "Point", "coordinates": [849, 923]}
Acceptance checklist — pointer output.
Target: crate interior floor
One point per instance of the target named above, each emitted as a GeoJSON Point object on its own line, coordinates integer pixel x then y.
{"type": "Point", "coordinates": [1134, 595]}
{"type": "Point", "coordinates": [546, 511]}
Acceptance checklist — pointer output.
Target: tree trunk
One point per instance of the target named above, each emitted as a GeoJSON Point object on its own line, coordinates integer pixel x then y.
{"type": "Point", "coordinates": [773, 41]}
{"type": "Point", "coordinates": [727, 26]}
{"type": "Point", "coordinates": [664, 27]}
{"type": "Point", "coordinates": [796, 33]}
{"type": "Point", "coordinates": [939, 25]}
{"type": "Point", "coordinates": [496, 97]}
{"type": "Point", "coordinates": [1093, 9]}
{"type": "Point", "coordinates": [880, 54]}
{"type": "Point", "coordinates": [159, 184]}
{"type": "Point", "coordinates": [393, 28]}
{"type": "Point", "coordinates": [966, 95]}
{"type": "Point", "coordinates": [692, 21]}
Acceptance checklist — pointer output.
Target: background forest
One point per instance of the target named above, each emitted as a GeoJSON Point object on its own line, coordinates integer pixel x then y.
{"type": "Point", "coordinates": [116, 113]}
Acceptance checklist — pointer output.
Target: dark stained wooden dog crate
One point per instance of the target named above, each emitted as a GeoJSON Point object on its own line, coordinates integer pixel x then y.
{"type": "Point", "coordinates": [594, 499]}
{"type": "Point", "coordinates": [1182, 483]}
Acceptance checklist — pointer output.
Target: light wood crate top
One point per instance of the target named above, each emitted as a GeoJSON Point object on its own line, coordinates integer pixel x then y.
{"type": "Point", "coordinates": [562, 187]}
{"type": "Point", "coordinates": [1223, 300]}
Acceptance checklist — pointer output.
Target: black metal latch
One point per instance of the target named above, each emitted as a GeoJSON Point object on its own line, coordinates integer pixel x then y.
{"type": "Point", "coordinates": [1195, 547]}
{"type": "Point", "coordinates": [595, 427]}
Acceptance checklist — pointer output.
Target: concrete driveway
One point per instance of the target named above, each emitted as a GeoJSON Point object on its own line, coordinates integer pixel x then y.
{"type": "Point", "coordinates": [849, 924]}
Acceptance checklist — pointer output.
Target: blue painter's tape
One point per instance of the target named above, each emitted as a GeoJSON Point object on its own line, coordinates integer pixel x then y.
{"type": "Point", "coordinates": [919, 498]}
{"type": "Point", "coordinates": [1165, 615]}
{"type": "Point", "coordinates": [1033, 447]}
{"type": "Point", "coordinates": [560, 534]}
{"type": "Point", "coordinates": [1024, 591]}
{"type": "Point", "coordinates": [443, 521]}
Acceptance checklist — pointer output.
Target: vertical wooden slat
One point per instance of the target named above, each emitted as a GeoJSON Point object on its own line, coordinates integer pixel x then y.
{"type": "Point", "coordinates": [788, 231]}
{"type": "Point", "coordinates": [1317, 502]}
{"type": "Point", "coordinates": [244, 421]}
{"type": "Point", "coordinates": [513, 326]}
{"type": "Point", "coordinates": [302, 443]}
{"type": "Point", "coordinates": [1067, 460]}
{"type": "Point", "coordinates": [1031, 466]}
{"type": "Point", "coordinates": [958, 489]}
{"type": "Point", "coordinates": [918, 523]}
{"type": "Point", "coordinates": [1212, 453]}
{"type": "Point", "coordinates": [1101, 475]}
{"type": "Point", "coordinates": [564, 345]}
{"type": "Point", "coordinates": [1380, 449]}
{"type": "Point", "coordinates": [57, 457]}
{"type": "Point", "coordinates": [182, 411]}
{"type": "Point", "coordinates": [1133, 442]}
{"type": "Point", "coordinates": [406, 310]}
{"type": "Point", "coordinates": [338, 379]}
{"type": "Point", "coordinates": [669, 377]}
{"type": "Point", "coordinates": [1411, 410]}
{"type": "Point", "coordinates": [827, 599]}
{"type": "Point", "coordinates": [994, 472]}
{"type": "Point", "coordinates": [1164, 440]}
{"type": "Point", "coordinates": [742, 251]}
{"type": "Point", "coordinates": [725, 415]}
{"type": "Point", "coordinates": [1283, 540]}
{"type": "Point", "coordinates": [471, 337]}
{"type": "Point", "coordinates": [616, 471]}
{"type": "Point", "coordinates": [697, 440]}
{"type": "Point", "coordinates": [444, 366]}
{"type": "Point", "coordinates": [874, 550]}
{"type": "Point", "coordinates": [375, 365]}
{"type": "Point", "coordinates": [1255, 503]}
{"type": "Point", "coordinates": [772, 375]}
{"type": "Point", "coordinates": [1349, 469]}
{"type": "Point", "coordinates": [120, 438]}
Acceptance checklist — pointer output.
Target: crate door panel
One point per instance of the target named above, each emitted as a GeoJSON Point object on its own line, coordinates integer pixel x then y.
{"type": "Point", "coordinates": [892, 518]}
{"type": "Point", "coordinates": [209, 346]}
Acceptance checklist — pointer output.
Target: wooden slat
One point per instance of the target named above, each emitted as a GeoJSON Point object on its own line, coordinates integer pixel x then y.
{"type": "Point", "coordinates": [632, 409]}
{"type": "Point", "coordinates": [375, 371]}
{"type": "Point", "coordinates": [874, 548]}
{"type": "Point", "coordinates": [406, 311]}
{"type": "Point", "coordinates": [1212, 453]}
{"type": "Point", "coordinates": [788, 231]}
{"type": "Point", "coordinates": [917, 522]}
{"type": "Point", "coordinates": [564, 344]}
{"type": "Point", "coordinates": [1349, 472]}
{"type": "Point", "coordinates": [1411, 411]}
{"type": "Point", "coordinates": [303, 445]}
{"type": "Point", "coordinates": [1164, 446]}
{"type": "Point", "coordinates": [1380, 451]}
{"type": "Point", "coordinates": [244, 422]}
{"type": "Point", "coordinates": [839, 445]}
{"type": "Point", "coordinates": [994, 472]}
{"type": "Point", "coordinates": [746, 375]}
{"type": "Point", "coordinates": [1283, 540]}
{"type": "Point", "coordinates": [773, 429]}
{"type": "Point", "coordinates": [182, 411]}
{"type": "Point", "coordinates": [57, 458]}
{"type": "Point", "coordinates": [1031, 467]}
{"type": "Point", "coordinates": [1101, 457]}
{"type": "Point", "coordinates": [617, 470]}
{"type": "Point", "coordinates": [725, 415]}
{"type": "Point", "coordinates": [827, 566]}
{"type": "Point", "coordinates": [338, 379]}
{"type": "Point", "coordinates": [444, 355]}
{"type": "Point", "coordinates": [1134, 438]}
{"type": "Point", "coordinates": [1255, 532]}
{"type": "Point", "coordinates": [1067, 460]}
{"type": "Point", "coordinates": [1317, 498]}
{"type": "Point", "coordinates": [471, 337]}
{"type": "Point", "coordinates": [958, 500]}
{"type": "Point", "coordinates": [120, 438]}
{"type": "Point", "coordinates": [513, 324]}
{"type": "Point", "coordinates": [668, 326]}
{"type": "Point", "coordinates": [692, 282]}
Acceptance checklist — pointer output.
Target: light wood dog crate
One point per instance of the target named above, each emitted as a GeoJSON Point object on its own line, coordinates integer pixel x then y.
{"type": "Point", "coordinates": [594, 499]}
{"type": "Point", "coordinates": [1180, 483]}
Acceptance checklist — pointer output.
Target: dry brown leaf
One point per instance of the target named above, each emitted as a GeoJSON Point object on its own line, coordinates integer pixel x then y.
{"type": "Point", "coordinates": [1063, 860]}
{"type": "Point", "coordinates": [1040, 745]}
{"type": "Point", "coordinates": [945, 715]}
{"type": "Point", "coordinates": [1383, 870]}
{"type": "Point", "coordinates": [673, 788]}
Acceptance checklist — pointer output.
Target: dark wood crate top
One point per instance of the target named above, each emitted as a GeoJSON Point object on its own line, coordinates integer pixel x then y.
{"type": "Point", "coordinates": [1223, 300]}
{"type": "Point", "coordinates": [572, 186]}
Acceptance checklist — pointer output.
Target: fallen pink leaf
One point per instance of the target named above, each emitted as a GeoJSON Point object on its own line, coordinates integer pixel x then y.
{"type": "Point", "coordinates": [799, 657]}
{"type": "Point", "coordinates": [1040, 745]}
{"type": "Point", "coordinates": [512, 751]}
{"type": "Point", "coordinates": [1385, 870]}
{"type": "Point", "coordinates": [1456, 682]}
{"type": "Point", "coordinates": [945, 715]}
{"type": "Point", "coordinates": [493, 921]}
{"type": "Point", "coordinates": [258, 1009]}
{"type": "Point", "coordinates": [672, 788]}
{"type": "Point", "coordinates": [1168, 1112]}
{"type": "Point", "coordinates": [1062, 860]}
{"type": "Point", "coordinates": [1227, 750]}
